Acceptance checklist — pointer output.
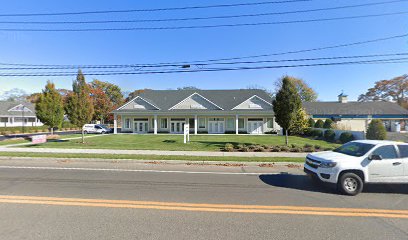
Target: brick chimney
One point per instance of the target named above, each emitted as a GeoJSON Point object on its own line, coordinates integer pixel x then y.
{"type": "Point", "coordinates": [342, 97]}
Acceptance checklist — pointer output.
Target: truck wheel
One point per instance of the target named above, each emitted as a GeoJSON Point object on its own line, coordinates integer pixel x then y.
{"type": "Point", "coordinates": [350, 184]}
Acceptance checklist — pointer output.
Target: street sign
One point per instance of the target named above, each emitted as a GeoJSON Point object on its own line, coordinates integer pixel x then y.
{"type": "Point", "coordinates": [38, 139]}
{"type": "Point", "coordinates": [186, 133]}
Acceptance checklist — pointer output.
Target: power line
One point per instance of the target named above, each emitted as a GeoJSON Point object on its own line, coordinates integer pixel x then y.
{"type": "Point", "coordinates": [382, 61]}
{"type": "Point", "coordinates": [207, 64]}
{"type": "Point", "coordinates": [154, 9]}
{"type": "Point", "coordinates": [199, 26]}
{"type": "Point", "coordinates": [204, 18]}
{"type": "Point", "coordinates": [225, 59]}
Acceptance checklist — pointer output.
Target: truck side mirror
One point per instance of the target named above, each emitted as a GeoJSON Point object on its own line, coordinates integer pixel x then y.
{"type": "Point", "coordinates": [375, 157]}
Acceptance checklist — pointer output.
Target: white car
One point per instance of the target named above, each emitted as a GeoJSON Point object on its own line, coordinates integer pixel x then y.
{"type": "Point", "coordinates": [95, 128]}
{"type": "Point", "coordinates": [358, 162]}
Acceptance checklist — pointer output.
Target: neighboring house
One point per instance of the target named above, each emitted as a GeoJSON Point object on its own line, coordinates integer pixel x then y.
{"type": "Point", "coordinates": [16, 114]}
{"type": "Point", "coordinates": [357, 115]}
{"type": "Point", "coordinates": [206, 111]}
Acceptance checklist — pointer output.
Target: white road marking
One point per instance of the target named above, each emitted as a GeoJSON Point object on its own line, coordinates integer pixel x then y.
{"type": "Point", "coordinates": [134, 170]}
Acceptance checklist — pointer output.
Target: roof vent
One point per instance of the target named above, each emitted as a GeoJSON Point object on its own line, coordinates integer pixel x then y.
{"type": "Point", "coordinates": [342, 97]}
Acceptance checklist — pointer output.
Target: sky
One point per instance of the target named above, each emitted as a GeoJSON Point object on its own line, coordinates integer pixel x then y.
{"type": "Point", "coordinates": [156, 46]}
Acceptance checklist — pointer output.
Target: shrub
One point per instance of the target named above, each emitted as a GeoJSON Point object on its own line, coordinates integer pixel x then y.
{"type": "Point", "coordinates": [228, 147]}
{"type": "Point", "coordinates": [317, 133]}
{"type": "Point", "coordinates": [311, 122]}
{"type": "Point", "coordinates": [346, 137]}
{"type": "Point", "coordinates": [328, 123]}
{"type": "Point", "coordinates": [240, 146]}
{"type": "Point", "coordinates": [308, 132]}
{"type": "Point", "coordinates": [329, 135]}
{"type": "Point", "coordinates": [284, 149]}
{"type": "Point", "coordinates": [245, 149]}
{"type": "Point", "coordinates": [376, 130]}
{"type": "Point", "coordinates": [296, 149]}
{"type": "Point", "coordinates": [308, 149]}
{"type": "Point", "coordinates": [307, 145]}
{"type": "Point", "coordinates": [293, 146]}
{"type": "Point", "coordinates": [317, 147]}
{"type": "Point", "coordinates": [319, 124]}
{"type": "Point", "coordinates": [275, 149]}
{"type": "Point", "coordinates": [259, 148]}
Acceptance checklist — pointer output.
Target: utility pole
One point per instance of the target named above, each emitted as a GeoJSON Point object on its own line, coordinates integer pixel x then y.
{"type": "Point", "coordinates": [23, 120]}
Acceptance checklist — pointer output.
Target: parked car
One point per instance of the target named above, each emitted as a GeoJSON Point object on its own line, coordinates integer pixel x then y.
{"type": "Point", "coordinates": [96, 128]}
{"type": "Point", "coordinates": [359, 162]}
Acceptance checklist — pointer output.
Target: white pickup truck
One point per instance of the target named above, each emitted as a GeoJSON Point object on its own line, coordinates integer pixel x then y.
{"type": "Point", "coordinates": [358, 162]}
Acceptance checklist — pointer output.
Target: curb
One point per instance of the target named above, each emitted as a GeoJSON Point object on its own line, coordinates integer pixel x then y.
{"type": "Point", "coordinates": [147, 161]}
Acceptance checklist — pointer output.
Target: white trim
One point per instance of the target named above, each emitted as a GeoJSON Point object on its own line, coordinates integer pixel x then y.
{"type": "Point", "coordinates": [134, 100]}
{"type": "Point", "coordinates": [250, 99]}
{"type": "Point", "coordinates": [185, 99]}
{"type": "Point", "coordinates": [24, 108]}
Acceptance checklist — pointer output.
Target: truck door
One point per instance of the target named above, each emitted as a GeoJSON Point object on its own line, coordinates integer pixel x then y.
{"type": "Point", "coordinates": [403, 151]}
{"type": "Point", "coordinates": [389, 169]}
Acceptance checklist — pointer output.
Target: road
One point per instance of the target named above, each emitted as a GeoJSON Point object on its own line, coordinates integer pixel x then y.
{"type": "Point", "coordinates": [65, 199]}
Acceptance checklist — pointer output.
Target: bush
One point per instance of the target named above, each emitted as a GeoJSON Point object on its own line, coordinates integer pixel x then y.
{"type": "Point", "coordinates": [346, 137]}
{"type": "Point", "coordinates": [275, 149]}
{"type": "Point", "coordinates": [307, 145]}
{"type": "Point", "coordinates": [259, 148]}
{"type": "Point", "coordinates": [240, 146]}
{"type": "Point", "coordinates": [308, 149]}
{"type": "Point", "coordinates": [329, 135]}
{"type": "Point", "coordinates": [245, 149]}
{"type": "Point", "coordinates": [317, 133]}
{"type": "Point", "coordinates": [284, 149]}
{"type": "Point", "coordinates": [376, 130]}
{"type": "Point", "coordinates": [317, 147]}
{"type": "Point", "coordinates": [308, 132]}
{"type": "Point", "coordinates": [296, 149]}
{"type": "Point", "coordinates": [319, 124]}
{"type": "Point", "coordinates": [311, 122]}
{"type": "Point", "coordinates": [328, 123]}
{"type": "Point", "coordinates": [228, 147]}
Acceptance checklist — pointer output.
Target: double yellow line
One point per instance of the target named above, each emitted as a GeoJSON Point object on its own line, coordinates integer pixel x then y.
{"type": "Point", "coordinates": [222, 208]}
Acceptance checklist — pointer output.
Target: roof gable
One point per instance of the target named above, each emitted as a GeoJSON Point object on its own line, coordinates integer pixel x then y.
{"type": "Point", "coordinates": [254, 103]}
{"type": "Point", "coordinates": [19, 108]}
{"type": "Point", "coordinates": [138, 103]}
{"type": "Point", "coordinates": [195, 101]}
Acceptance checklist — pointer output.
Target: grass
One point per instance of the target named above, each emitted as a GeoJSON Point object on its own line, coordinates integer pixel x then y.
{"type": "Point", "coordinates": [151, 157]}
{"type": "Point", "coordinates": [12, 141]}
{"type": "Point", "coordinates": [175, 142]}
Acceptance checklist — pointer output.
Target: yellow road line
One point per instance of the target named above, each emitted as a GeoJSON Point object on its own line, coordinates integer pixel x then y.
{"type": "Point", "coordinates": [293, 210]}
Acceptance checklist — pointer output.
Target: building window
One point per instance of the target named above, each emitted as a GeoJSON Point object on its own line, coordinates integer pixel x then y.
{"type": "Point", "coordinates": [127, 123]}
{"type": "Point", "coordinates": [269, 122]}
{"type": "Point", "coordinates": [241, 123]}
{"type": "Point", "coordinates": [163, 123]}
{"type": "Point", "coordinates": [201, 123]}
{"type": "Point", "coordinates": [3, 119]}
{"type": "Point", "coordinates": [230, 123]}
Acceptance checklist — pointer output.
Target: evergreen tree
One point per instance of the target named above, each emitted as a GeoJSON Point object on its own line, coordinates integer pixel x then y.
{"type": "Point", "coordinates": [286, 105]}
{"type": "Point", "coordinates": [311, 122]}
{"type": "Point", "coordinates": [300, 123]}
{"type": "Point", "coordinates": [79, 105]}
{"type": "Point", "coordinates": [328, 123]}
{"type": "Point", "coordinates": [376, 130]}
{"type": "Point", "coordinates": [319, 124]}
{"type": "Point", "coordinates": [49, 108]}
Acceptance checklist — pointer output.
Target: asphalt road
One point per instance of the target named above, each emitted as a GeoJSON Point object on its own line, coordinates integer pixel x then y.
{"type": "Point", "coordinates": [126, 200]}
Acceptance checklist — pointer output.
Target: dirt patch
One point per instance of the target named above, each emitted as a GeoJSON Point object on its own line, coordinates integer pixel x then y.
{"type": "Point", "coordinates": [269, 165]}
{"type": "Point", "coordinates": [293, 166]}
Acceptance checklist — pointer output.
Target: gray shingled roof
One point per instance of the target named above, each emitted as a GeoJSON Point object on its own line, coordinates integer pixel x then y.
{"type": "Point", "coordinates": [6, 105]}
{"type": "Point", "coordinates": [354, 108]}
{"type": "Point", "coordinates": [226, 99]}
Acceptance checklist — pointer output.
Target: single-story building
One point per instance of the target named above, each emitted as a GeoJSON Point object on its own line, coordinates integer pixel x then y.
{"type": "Point", "coordinates": [17, 114]}
{"type": "Point", "coordinates": [357, 115]}
{"type": "Point", "coordinates": [206, 111]}
{"type": "Point", "coordinates": [246, 111]}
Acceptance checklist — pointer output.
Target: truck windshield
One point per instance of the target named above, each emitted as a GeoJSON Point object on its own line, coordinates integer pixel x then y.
{"type": "Point", "coordinates": [355, 149]}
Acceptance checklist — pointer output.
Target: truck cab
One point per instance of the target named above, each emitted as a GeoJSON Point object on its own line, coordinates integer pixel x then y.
{"type": "Point", "coordinates": [360, 162]}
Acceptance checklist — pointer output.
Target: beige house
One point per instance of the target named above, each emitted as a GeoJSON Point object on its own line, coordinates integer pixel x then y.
{"type": "Point", "coordinates": [244, 111]}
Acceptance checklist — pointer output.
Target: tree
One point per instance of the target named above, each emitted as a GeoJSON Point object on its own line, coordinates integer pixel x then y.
{"type": "Point", "coordinates": [33, 98]}
{"type": "Point", "coordinates": [328, 123]}
{"type": "Point", "coordinates": [300, 123]}
{"type": "Point", "coordinates": [319, 124]}
{"type": "Point", "coordinates": [394, 90]}
{"type": "Point", "coordinates": [376, 130]}
{"type": "Point", "coordinates": [135, 94]}
{"type": "Point", "coordinates": [49, 108]}
{"type": "Point", "coordinates": [286, 105]}
{"type": "Point", "coordinates": [79, 107]}
{"type": "Point", "coordinates": [106, 97]}
{"type": "Point", "coordinates": [306, 93]}
{"type": "Point", "coordinates": [311, 122]}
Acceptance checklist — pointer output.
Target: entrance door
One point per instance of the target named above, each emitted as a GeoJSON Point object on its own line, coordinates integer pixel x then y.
{"type": "Point", "coordinates": [177, 127]}
{"type": "Point", "coordinates": [141, 127]}
{"type": "Point", "coordinates": [255, 127]}
{"type": "Point", "coordinates": [216, 125]}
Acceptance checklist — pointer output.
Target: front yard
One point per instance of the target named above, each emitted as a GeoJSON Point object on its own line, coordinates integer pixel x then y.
{"type": "Point", "coordinates": [175, 142]}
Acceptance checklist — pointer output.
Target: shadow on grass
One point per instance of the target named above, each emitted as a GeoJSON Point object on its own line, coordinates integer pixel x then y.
{"type": "Point", "coordinates": [305, 183]}
{"type": "Point", "coordinates": [169, 141]}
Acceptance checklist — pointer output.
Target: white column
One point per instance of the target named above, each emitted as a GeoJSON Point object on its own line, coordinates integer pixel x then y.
{"type": "Point", "coordinates": [236, 124]}
{"type": "Point", "coordinates": [155, 124]}
{"type": "Point", "coordinates": [195, 125]}
{"type": "Point", "coordinates": [115, 124]}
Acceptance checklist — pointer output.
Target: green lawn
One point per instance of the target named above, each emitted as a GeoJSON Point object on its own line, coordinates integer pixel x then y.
{"type": "Point", "coordinates": [151, 157]}
{"type": "Point", "coordinates": [175, 142]}
{"type": "Point", "coordinates": [12, 141]}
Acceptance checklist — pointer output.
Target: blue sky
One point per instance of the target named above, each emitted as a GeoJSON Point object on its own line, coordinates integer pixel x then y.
{"type": "Point", "coordinates": [195, 44]}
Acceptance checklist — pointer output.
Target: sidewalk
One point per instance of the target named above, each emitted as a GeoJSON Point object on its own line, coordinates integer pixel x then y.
{"type": "Point", "coordinates": [155, 152]}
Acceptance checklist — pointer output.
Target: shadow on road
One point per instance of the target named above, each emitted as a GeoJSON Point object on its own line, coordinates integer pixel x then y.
{"type": "Point", "coordinates": [305, 183]}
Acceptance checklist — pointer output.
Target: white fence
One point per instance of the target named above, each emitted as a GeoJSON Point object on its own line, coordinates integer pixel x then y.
{"type": "Point", "coordinates": [358, 135]}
